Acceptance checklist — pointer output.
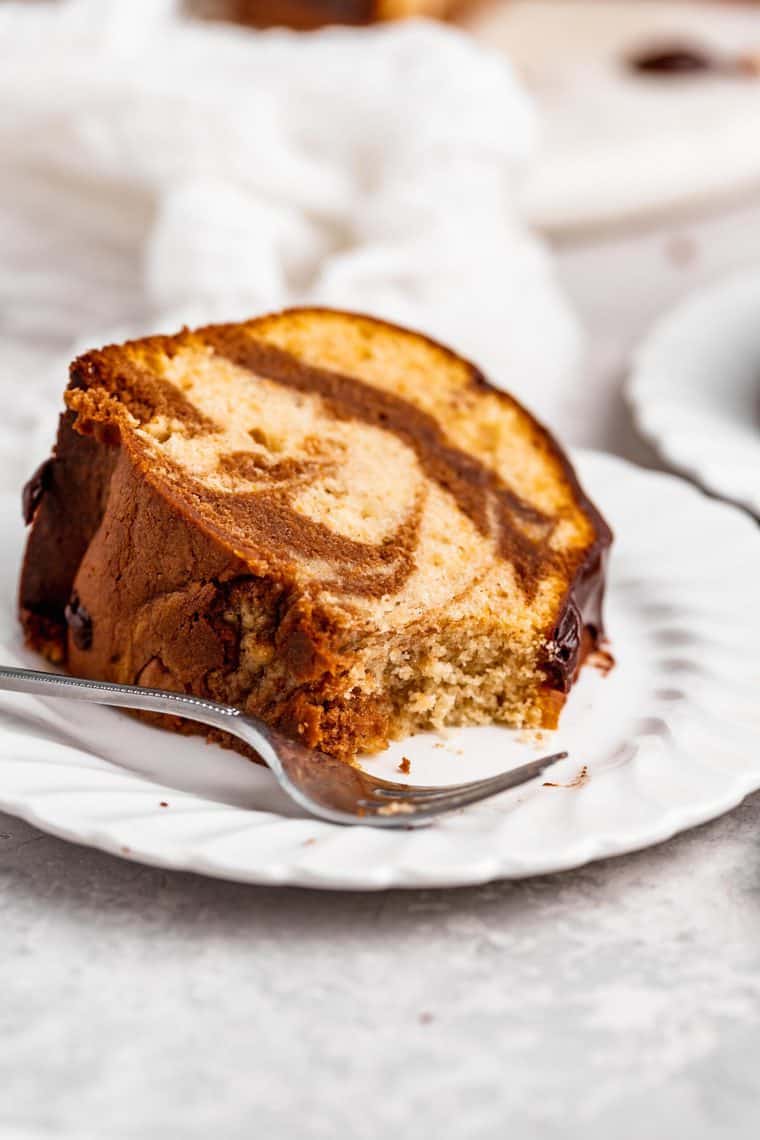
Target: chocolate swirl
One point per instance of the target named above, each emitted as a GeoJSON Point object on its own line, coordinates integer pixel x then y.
{"type": "Point", "coordinates": [522, 532]}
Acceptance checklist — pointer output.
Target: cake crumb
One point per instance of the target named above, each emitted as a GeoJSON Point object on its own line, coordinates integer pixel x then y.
{"type": "Point", "coordinates": [163, 803]}
{"type": "Point", "coordinates": [531, 736]}
{"type": "Point", "coordinates": [309, 842]}
{"type": "Point", "coordinates": [405, 766]}
{"type": "Point", "coordinates": [602, 660]}
{"type": "Point", "coordinates": [396, 807]}
{"type": "Point", "coordinates": [425, 1017]}
{"type": "Point", "coordinates": [577, 781]}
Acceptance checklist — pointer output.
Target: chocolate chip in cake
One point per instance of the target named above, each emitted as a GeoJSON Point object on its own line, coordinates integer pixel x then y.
{"type": "Point", "coordinates": [34, 490]}
{"type": "Point", "coordinates": [79, 622]}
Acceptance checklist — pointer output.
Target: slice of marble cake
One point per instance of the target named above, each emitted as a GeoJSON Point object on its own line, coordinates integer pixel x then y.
{"type": "Point", "coordinates": [326, 520]}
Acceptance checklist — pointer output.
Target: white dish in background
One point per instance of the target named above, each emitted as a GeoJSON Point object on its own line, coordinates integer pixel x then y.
{"type": "Point", "coordinates": [694, 389]}
{"type": "Point", "coordinates": [617, 145]}
{"type": "Point", "coordinates": [668, 737]}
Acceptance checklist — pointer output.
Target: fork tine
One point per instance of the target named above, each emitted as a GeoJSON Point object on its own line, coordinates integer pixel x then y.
{"type": "Point", "coordinates": [443, 791]}
{"type": "Point", "coordinates": [432, 801]}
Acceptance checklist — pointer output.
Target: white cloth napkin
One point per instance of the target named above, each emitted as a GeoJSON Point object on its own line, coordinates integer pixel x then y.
{"type": "Point", "coordinates": [157, 171]}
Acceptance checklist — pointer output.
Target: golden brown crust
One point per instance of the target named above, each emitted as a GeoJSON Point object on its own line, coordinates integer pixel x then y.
{"type": "Point", "coordinates": [134, 575]}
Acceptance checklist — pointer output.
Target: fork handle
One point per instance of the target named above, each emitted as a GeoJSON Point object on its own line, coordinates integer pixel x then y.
{"type": "Point", "coordinates": [40, 684]}
{"type": "Point", "coordinates": [252, 731]}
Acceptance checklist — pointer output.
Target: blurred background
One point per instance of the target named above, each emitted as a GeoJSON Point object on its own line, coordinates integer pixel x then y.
{"type": "Point", "coordinates": [531, 181]}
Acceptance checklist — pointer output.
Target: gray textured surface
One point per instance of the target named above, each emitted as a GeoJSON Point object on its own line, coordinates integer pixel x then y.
{"type": "Point", "coordinates": [619, 999]}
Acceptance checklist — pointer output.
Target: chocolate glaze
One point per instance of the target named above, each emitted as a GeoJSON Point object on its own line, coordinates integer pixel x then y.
{"type": "Point", "coordinates": [35, 489]}
{"type": "Point", "coordinates": [582, 614]}
{"type": "Point", "coordinates": [65, 520]}
{"type": "Point", "coordinates": [79, 622]}
{"type": "Point", "coordinates": [563, 650]}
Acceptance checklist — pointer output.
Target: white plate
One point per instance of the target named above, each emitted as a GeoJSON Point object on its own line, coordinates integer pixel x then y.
{"type": "Point", "coordinates": [695, 389]}
{"type": "Point", "coordinates": [669, 737]}
{"type": "Point", "coordinates": [617, 145]}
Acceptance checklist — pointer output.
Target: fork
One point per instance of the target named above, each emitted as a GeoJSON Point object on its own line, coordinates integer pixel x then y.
{"type": "Point", "coordinates": [327, 788]}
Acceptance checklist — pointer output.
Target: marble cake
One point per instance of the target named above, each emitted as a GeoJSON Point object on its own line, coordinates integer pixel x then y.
{"type": "Point", "coordinates": [331, 522]}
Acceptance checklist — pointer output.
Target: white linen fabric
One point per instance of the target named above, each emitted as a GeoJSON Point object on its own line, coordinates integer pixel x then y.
{"type": "Point", "coordinates": [157, 170]}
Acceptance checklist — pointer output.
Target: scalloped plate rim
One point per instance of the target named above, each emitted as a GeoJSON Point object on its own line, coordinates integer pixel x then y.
{"type": "Point", "coordinates": [587, 851]}
{"type": "Point", "coordinates": [652, 419]}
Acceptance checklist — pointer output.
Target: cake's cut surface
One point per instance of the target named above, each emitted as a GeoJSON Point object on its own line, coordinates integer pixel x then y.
{"type": "Point", "coordinates": [329, 521]}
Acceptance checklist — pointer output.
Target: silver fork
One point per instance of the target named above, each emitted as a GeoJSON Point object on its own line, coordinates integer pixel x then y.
{"type": "Point", "coordinates": [325, 787]}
